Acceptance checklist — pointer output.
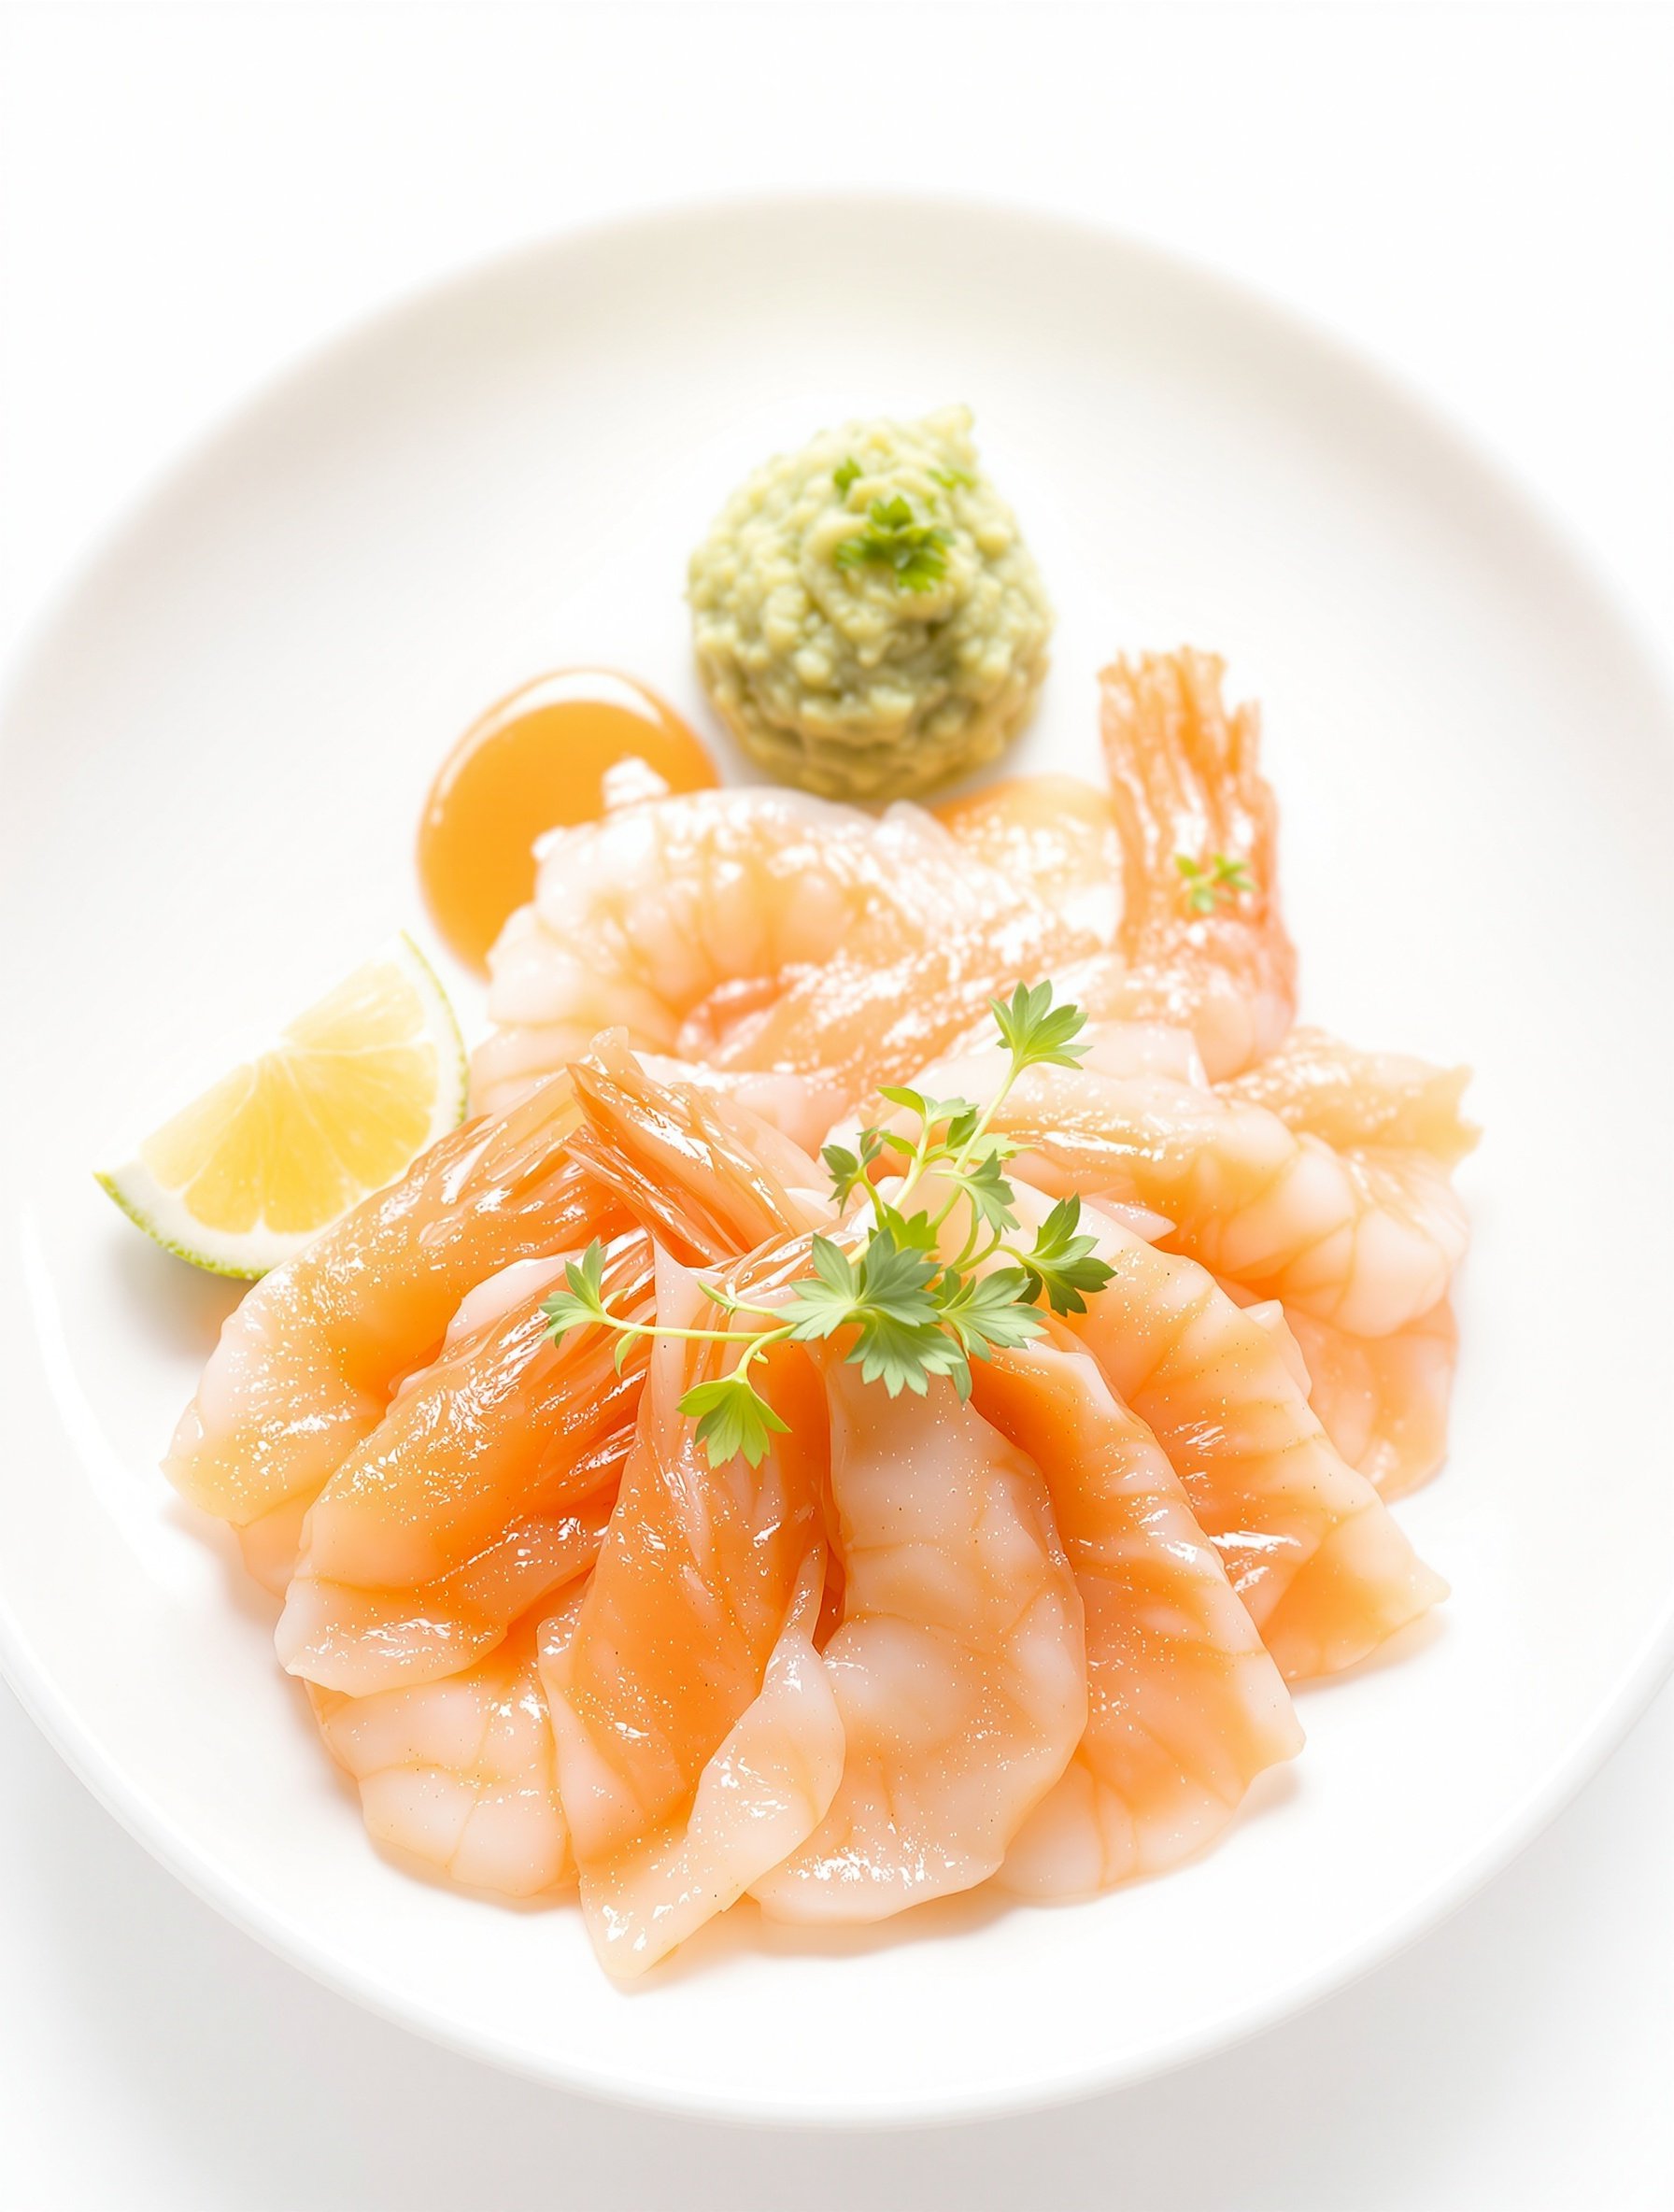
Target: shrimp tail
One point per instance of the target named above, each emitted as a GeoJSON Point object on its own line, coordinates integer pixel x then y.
{"type": "Point", "coordinates": [1201, 934]}
{"type": "Point", "coordinates": [1186, 779]}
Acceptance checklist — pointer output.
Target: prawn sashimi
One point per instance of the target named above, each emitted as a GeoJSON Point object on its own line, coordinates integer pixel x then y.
{"type": "Point", "coordinates": [697, 1741]}
{"type": "Point", "coordinates": [460, 1773]}
{"type": "Point", "coordinates": [1320, 1086]}
{"type": "Point", "coordinates": [1366, 1239]}
{"type": "Point", "coordinates": [706, 1177]}
{"type": "Point", "coordinates": [959, 1668]}
{"type": "Point", "coordinates": [1384, 1400]}
{"type": "Point", "coordinates": [359, 1639]}
{"type": "Point", "coordinates": [1053, 832]}
{"type": "Point", "coordinates": [748, 929]}
{"type": "Point", "coordinates": [758, 1795]}
{"type": "Point", "coordinates": [1308, 1545]}
{"type": "Point", "coordinates": [306, 1362]}
{"type": "Point", "coordinates": [466, 1502]}
{"type": "Point", "coordinates": [1186, 1707]}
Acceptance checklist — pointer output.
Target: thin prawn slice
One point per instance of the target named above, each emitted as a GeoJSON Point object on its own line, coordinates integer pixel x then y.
{"type": "Point", "coordinates": [1186, 785]}
{"type": "Point", "coordinates": [1053, 832]}
{"type": "Point", "coordinates": [959, 1668]}
{"type": "Point", "coordinates": [305, 1364]}
{"type": "Point", "coordinates": [705, 1176]}
{"type": "Point", "coordinates": [458, 1773]}
{"type": "Point", "coordinates": [1384, 1400]}
{"type": "Point", "coordinates": [757, 1795]}
{"type": "Point", "coordinates": [1320, 1086]}
{"type": "Point", "coordinates": [697, 1738]}
{"type": "Point", "coordinates": [862, 1023]}
{"type": "Point", "coordinates": [475, 1494]}
{"type": "Point", "coordinates": [1320, 1565]}
{"type": "Point", "coordinates": [1186, 1706]}
{"type": "Point", "coordinates": [703, 922]}
{"type": "Point", "coordinates": [1367, 1239]}
{"type": "Point", "coordinates": [357, 1640]}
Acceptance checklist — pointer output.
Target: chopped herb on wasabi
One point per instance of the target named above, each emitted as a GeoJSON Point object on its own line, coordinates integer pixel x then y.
{"type": "Point", "coordinates": [895, 539]}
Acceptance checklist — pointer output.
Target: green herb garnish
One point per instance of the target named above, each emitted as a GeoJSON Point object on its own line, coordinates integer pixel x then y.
{"type": "Point", "coordinates": [845, 474]}
{"type": "Point", "coordinates": [915, 1316]}
{"type": "Point", "coordinates": [895, 539]}
{"type": "Point", "coordinates": [1207, 883]}
{"type": "Point", "coordinates": [952, 480]}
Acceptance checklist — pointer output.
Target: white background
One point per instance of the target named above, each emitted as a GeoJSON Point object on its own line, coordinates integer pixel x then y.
{"type": "Point", "coordinates": [1483, 198]}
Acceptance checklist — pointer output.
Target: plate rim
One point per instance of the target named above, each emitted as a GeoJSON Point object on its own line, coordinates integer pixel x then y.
{"type": "Point", "coordinates": [172, 1847]}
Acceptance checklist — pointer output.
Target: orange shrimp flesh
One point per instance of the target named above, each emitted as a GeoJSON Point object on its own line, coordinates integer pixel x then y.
{"type": "Point", "coordinates": [505, 1424]}
{"type": "Point", "coordinates": [1186, 1707]}
{"type": "Point", "coordinates": [1323, 1569]}
{"type": "Point", "coordinates": [460, 1774]}
{"type": "Point", "coordinates": [305, 1364]}
{"type": "Point", "coordinates": [702, 1571]}
{"type": "Point", "coordinates": [1320, 1086]}
{"type": "Point", "coordinates": [361, 1639]}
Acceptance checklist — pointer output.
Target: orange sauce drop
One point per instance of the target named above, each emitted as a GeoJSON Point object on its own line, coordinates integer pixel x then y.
{"type": "Point", "coordinates": [537, 760]}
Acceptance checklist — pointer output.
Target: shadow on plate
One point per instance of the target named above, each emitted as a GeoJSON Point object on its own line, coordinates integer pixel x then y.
{"type": "Point", "coordinates": [179, 1309]}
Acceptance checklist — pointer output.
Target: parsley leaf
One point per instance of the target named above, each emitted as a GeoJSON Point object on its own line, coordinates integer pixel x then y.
{"type": "Point", "coordinates": [1062, 1264]}
{"type": "Point", "coordinates": [732, 1416]}
{"type": "Point", "coordinates": [1036, 1032]}
{"type": "Point", "coordinates": [991, 1196]}
{"type": "Point", "coordinates": [849, 1170]}
{"type": "Point", "coordinates": [990, 1312]}
{"type": "Point", "coordinates": [894, 1276]}
{"type": "Point", "coordinates": [898, 1338]}
{"type": "Point", "coordinates": [915, 1232]}
{"type": "Point", "coordinates": [951, 479]}
{"type": "Point", "coordinates": [955, 1118]}
{"type": "Point", "coordinates": [818, 1308]}
{"type": "Point", "coordinates": [902, 1354]}
{"type": "Point", "coordinates": [845, 474]}
{"type": "Point", "coordinates": [582, 1305]}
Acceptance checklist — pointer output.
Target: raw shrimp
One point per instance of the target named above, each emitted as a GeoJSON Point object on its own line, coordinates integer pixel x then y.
{"type": "Point", "coordinates": [1055, 834]}
{"type": "Point", "coordinates": [707, 1176]}
{"type": "Point", "coordinates": [470, 1499]}
{"type": "Point", "coordinates": [958, 1670]}
{"type": "Point", "coordinates": [761, 931]}
{"type": "Point", "coordinates": [357, 1640]}
{"type": "Point", "coordinates": [1187, 784]}
{"type": "Point", "coordinates": [1186, 1707]}
{"type": "Point", "coordinates": [1368, 1240]}
{"type": "Point", "coordinates": [460, 1773]}
{"type": "Point", "coordinates": [1310, 1547]}
{"type": "Point", "coordinates": [689, 918]}
{"type": "Point", "coordinates": [1323, 1087]}
{"type": "Point", "coordinates": [698, 1740]}
{"type": "Point", "coordinates": [305, 1364]}
{"type": "Point", "coordinates": [1384, 1400]}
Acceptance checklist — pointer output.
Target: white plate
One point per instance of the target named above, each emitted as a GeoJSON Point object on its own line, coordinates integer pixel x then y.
{"type": "Point", "coordinates": [215, 760]}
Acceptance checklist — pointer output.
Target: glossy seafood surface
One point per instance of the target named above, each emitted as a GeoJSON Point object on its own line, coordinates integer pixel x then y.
{"type": "Point", "coordinates": [1045, 1631]}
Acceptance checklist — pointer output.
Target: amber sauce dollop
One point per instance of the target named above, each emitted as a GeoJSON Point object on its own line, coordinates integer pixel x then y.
{"type": "Point", "coordinates": [537, 760]}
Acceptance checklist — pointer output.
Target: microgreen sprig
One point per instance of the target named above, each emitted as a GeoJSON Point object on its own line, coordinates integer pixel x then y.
{"type": "Point", "coordinates": [1208, 882]}
{"type": "Point", "coordinates": [915, 1316]}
